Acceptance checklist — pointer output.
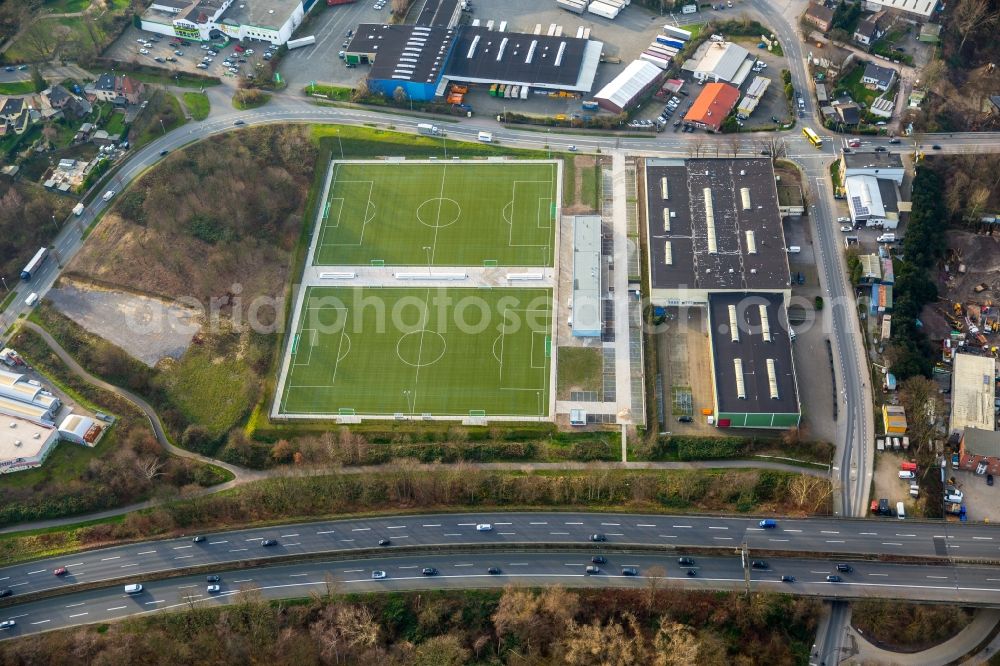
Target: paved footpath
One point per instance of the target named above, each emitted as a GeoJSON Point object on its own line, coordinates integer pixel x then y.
{"type": "Point", "coordinates": [961, 644]}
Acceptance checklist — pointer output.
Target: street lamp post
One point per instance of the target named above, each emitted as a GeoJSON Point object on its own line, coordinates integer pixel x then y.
{"type": "Point", "coordinates": [54, 225]}
{"type": "Point", "coordinates": [4, 280]}
{"type": "Point", "coordinates": [427, 249]}
{"type": "Point", "coordinates": [162, 127]}
{"type": "Point", "coordinates": [341, 144]}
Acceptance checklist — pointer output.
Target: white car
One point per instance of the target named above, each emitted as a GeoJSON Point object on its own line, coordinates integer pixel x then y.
{"type": "Point", "coordinates": [213, 589]}
{"type": "Point", "coordinates": [378, 575]}
{"type": "Point", "coordinates": [953, 498]}
{"type": "Point", "coordinates": [249, 51]}
{"type": "Point", "coordinates": [144, 51]}
{"type": "Point", "coordinates": [484, 527]}
{"type": "Point", "coordinates": [843, 219]}
{"type": "Point", "coordinates": [141, 40]}
{"type": "Point", "coordinates": [205, 47]}
{"type": "Point", "coordinates": [954, 492]}
{"type": "Point", "coordinates": [847, 227]}
{"type": "Point", "coordinates": [234, 70]}
{"type": "Point", "coordinates": [7, 624]}
{"type": "Point", "coordinates": [107, 195]}
{"type": "Point", "coordinates": [906, 475]}
{"type": "Point", "coordinates": [201, 65]}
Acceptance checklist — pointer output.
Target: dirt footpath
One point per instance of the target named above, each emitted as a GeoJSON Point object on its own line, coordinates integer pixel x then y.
{"type": "Point", "coordinates": [147, 328]}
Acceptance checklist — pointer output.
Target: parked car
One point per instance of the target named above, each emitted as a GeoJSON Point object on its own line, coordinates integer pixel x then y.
{"type": "Point", "coordinates": [847, 227]}
{"type": "Point", "coordinates": [906, 475]}
{"type": "Point", "coordinates": [144, 51]}
{"type": "Point", "coordinates": [178, 53]}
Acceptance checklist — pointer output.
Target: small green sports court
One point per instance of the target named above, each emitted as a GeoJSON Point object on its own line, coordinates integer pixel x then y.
{"type": "Point", "coordinates": [442, 214]}
{"type": "Point", "coordinates": [415, 351]}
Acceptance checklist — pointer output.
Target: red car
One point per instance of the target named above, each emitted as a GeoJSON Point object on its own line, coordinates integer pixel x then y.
{"type": "Point", "coordinates": [61, 571]}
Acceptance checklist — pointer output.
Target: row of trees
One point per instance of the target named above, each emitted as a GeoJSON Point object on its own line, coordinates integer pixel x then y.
{"type": "Point", "coordinates": [660, 627]}
{"type": "Point", "coordinates": [924, 245]}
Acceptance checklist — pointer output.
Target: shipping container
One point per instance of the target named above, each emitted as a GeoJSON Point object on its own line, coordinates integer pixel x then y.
{"type": "Point", "coordinates": [657, 60]}
{"type": "Point", "coordinates": [679, 33]}
{"type": "Point", "coordinates": [598, 8]}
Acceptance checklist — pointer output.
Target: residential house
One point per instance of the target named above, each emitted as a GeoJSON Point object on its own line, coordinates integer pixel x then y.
{"type": "Point", "coordinates": [871, 29]}
{"type": "Point", "coordinates": [820, 16]}
{"type": "Point", "coordinates": [15, 112]}
{"type": "Point", "coordinates": [119, 90]}
{"type": "Point", "coordinates": [978, 447]}
{"type": "Point", "coordinates": [848, 114]}
{"type": "Point", "coordinates": [58, 97]}
{"type": "Point", "coordinates": [876, 77]}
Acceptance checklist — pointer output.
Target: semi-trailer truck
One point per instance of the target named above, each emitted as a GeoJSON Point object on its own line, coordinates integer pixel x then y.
{"type": "Point", "coordinates": [35, 263]}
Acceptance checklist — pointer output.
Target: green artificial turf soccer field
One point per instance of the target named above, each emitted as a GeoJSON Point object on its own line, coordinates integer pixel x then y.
{"type": "Point", "coordinates": [447, 214]}
{"type": "Point", "coordinates": [420, 350]}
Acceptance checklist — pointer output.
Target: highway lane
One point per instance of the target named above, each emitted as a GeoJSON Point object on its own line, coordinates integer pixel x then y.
{"type": "Point", "coordinates": [815, 535]}
{"type": "Point", "coordinates": [978, 585]}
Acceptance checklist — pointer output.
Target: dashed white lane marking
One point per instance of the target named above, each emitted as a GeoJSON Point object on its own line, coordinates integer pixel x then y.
{"type": "Point", "coordinates": [216, 543]}
{"type": "Point", "coordinates": [181, 547]}
{"type": "Point", "coordinates": [432, 525]}
{"type": "Point", "coordinates": [325, 532]}
{"type": "Point", "coordinates": [106, 559]}
{"type": "Point", "coordinates": [116, 608]}
{"type": "Point", "coordinates": [39, 571]}
{"type": "Point", "coordinates": [146, 552]}
{"type": "Point", "coordinates": [79, 615]}
{"type": "Point", "coordinates": [44, 621]}
{"type": "Point", "coordinates": [75, 605]}
{"type": "Point", "coordinates": [288, 536]}
{"type": "Point", "coordinates": [237, 550]}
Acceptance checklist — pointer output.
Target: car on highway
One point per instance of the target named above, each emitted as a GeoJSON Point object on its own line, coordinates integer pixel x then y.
{"type": "Point", "coordinates": [758, 564]}
{"type": "Point", "coordinates": [213, 589]}
{"type": "Point", "coordinates": [833, 578]}
{"type": "Point", "coordinates": [599, 559]}
{"type": "Point", "coordinates": [630, 571]}
{"type": "Point", "coordinates": [134, 588]}
{"type": "Point", "coordinates": [685, 561]}
{"type": "Point", "coordinates": [493, 571]}
{"type": "Point", "coordinates": [7, 624]}
{"type": "Point", "coordinates": [378, 574]}
{"type": "Point", "coordinates": [768, 523]}
{"type": "Point", "coordinates": [239, 122]}
{"type": "Point", "coordinates": [429, 571]}
{"type": "Point", "coordinates": [197, 539]}
{"type": "Point", "coordinates": [881, 149]}
{"type": "Point", "coordinates": [894, 140]}
{"type": "Point", "coordinates": [269, 542]}
{"type": "Point", "coordinates": [212, 578]}
{"type": "Point", "coordinates": [936, 147]}
{"type": "Point", "coordinates": [9, 69]}
{"type": "Point", "coordinates": [692, 573]}
{"type": "Point", "coordinates": [385, 542]}
{"type": "Point", "coordinates": [484, 527]}
{"type": "Point", "coordinates": [6, 591]}
{"type": "Point", "coordinates": [598, 537]}
{"type": "Point", "coordinates": [163, 152]}
{"type": "Point", "coordinates": [788, 579]}
{"type": "Point", "coordinates": [845, 568]}
{"type": "Point", "coordinates": [593, 569]}
{"type": "Point", "coordinates": [61, 571]}
{"type": "Point", "coordinates": [108, 195]}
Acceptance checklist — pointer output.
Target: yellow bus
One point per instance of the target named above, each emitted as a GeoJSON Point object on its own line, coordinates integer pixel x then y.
{"type": "Point", "coordinates": [813, 137]}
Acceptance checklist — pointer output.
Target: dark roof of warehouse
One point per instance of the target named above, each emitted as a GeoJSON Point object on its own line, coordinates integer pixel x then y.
{"type": "Point", "coordinates": [403, 52]}
{"type": "Point", "coordinates": [754, 351]}
{"type": "Point", "coordinates": [733, 264]}
{"type": "Point", "coordinates": [514, 56]}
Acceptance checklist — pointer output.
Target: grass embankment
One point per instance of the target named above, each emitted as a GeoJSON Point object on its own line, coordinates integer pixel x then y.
{"type": "Point", "coordinates": [250, 98]}
{"type": "Point", "coordinates": [401, 489]}
{"type": "Point", "coordinates": [592, 187]}
{"type": "Point", "coordinates": [161, 116]}
{"type": "Point", "coordinates": [339, 93]}
{"type": "Point", "coordinates": [453, 627]}
{"type": "Point", "coordinates": [7, 300]}
{"type": "Point", "coordinates": [904, 627]}
{"type": "Point", "coordinates": [681, 448]}
{"type": "Point", "coordinates": [580, 369]}
{"type": "Point", "coordinates": [76, 479]}
{"type": "Point", "coordinates": [17, 88]}
{"type": "Point", "coordinates": [197, 105]}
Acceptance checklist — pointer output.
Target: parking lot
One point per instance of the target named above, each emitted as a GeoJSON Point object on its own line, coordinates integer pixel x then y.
{"type": "Point", "coordinates": [160, 52]}
{"type": "Point", "coordinates": [981, 501]}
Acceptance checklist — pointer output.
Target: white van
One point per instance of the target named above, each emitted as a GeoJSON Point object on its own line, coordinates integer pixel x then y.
{"type": "Point", "coordinates": [900, 511]}
{"type": "Point", "coordinates": [794, 249]}
{"type": "Point", "coordinates": [31, 299]}
{"type": "Point", "coordinates": [486, 137]}
{"type": "Point", "coordinates": [107, 195]}
{"type": "Point", "coordinates": [886, 238]}
{"type": "Point", "coordinates": [78, 209]}
{"type": "Point", "coordinates": [135, 588]}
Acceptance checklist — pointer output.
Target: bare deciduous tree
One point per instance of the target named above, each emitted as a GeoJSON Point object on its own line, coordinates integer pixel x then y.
{"type": "Point", "coordinates": [971, 17]}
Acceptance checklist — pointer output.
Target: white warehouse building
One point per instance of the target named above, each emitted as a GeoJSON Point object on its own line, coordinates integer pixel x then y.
{"type": "Point", "coordinates": [271, 21]}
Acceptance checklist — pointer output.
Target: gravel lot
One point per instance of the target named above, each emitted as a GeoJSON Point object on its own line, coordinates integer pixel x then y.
{"type": "Point", "coordinates": [147, 328]}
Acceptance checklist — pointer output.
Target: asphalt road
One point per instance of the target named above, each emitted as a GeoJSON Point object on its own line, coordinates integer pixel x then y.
{"type": "Point", "coordinates": [977, 585]}
{"type": "Point", "coordinates": [817, 536]}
